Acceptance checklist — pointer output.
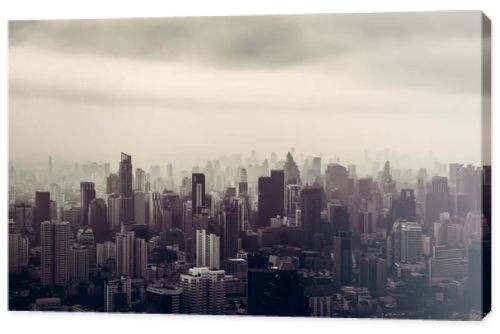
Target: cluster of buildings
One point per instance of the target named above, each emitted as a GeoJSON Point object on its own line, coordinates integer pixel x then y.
{"type": "Point", "coordinates": [251, 237]}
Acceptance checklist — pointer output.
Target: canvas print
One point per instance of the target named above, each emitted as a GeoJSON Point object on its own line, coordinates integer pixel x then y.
{"type": "Point", "coordinates": [329, 165]}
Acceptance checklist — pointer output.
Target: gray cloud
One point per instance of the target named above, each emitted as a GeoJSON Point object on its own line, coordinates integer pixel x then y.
{"type": "Point", "coordinates": [242, 41]}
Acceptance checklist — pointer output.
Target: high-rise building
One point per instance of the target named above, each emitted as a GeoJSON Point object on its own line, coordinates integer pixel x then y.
{"type": "Point", "coordinates": [316, 170]}
{"type": "Point", "coordinates": [113, 215]}
{"type": "Point", "coordinates": [338, 217]}
{"type": "Point", "coordinates": [24, 217]}
{"type": "Point", "coordinates": [292, 173]}
{"type": "Point", "coordinates": [198, 193]}
{"type": "Point", "coordinates": [85, 237]}
{"type": "Point", "coordinates": [292, 199]}
{"type": "Point", "coordinates": [478, 288]}
{"type": "Point", "coordinates": [140, 207]}
{"type": "Point", "coordinates": [54, 240]}
{"type": "Point", "coordinates": [259, 280]}
{"type": "Point", "coordinates": [271, 197]}
{"type": "Point", "coordinates": [388, 185]}
{"type": "Point", "coordinates": [163, 299]}
{"type": "Point", "coordinates": [98, 219]}
{"type": "Point", "coordinates": [230, 230]}
{"type": "Point", "coordinates": [125, 253]}
{"type": "Point", "coordinates": [125, 189]}
{"type": "Point", "coordinates": [373, 275]}
{"type": "Point", "coordinates": [243, 183]}
{"type": "Point", "coordinates": [203, 291]}
{"type": "Point", "coordinates": [87, 194]}
{"type": "Point", "coordinates": [336, 183]}
{"type": "Point", "coordinates": [446, 263]}
{"type": "Point", "coordinates": [131, 255]}
{"type": "Point", "coordinates": [140, 179]}
{"type": "Point", "coordinates": [18, 252]}
{"type": "Point", "coordinates": [310, 206]}
{"type": "Point", "coordinates": [55, 193]}
{"type": "Point", "coordinates": [155, 211]}
{"type": "Point", "coordinates": [342, 258]}
{"type": "Point", "coordinates": [405, 206]}
{"type": "Point", "coordinates": [438, 200]}
{"type": "Point", "coordinates": [78, 263]}
{"type": "Point", "coordinates": [42, 210]}
{"type": "Point", "coordinates": [118, 294]}
{"type": "Point", "coordinates": [365, 187]}
{"type": "Point", "coordinates": [276, 291]}
{"type": "Point", "coordinates": [406, 242]}
{"type": "Point", "coordinates": [112, 184]}
{"type": "Point", "coordinates": [55, 213]}
{"type": "Point", "coordinates": [207, 250]}
{"type": "Point", "coordinates": [106, 253]}
{"type": "Point", "coordinates": [140, 257]}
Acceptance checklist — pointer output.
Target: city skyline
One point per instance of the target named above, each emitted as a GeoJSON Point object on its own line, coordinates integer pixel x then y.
{"type": "Point", "coordinates": [330, 166]}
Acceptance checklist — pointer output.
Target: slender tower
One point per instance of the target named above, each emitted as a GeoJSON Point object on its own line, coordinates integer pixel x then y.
{"type": "Point", "coordinates": [125, 189]}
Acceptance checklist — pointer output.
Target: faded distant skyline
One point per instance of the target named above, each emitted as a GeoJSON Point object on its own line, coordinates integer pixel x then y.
{"type": "Point", "coordinates": [194, 88]}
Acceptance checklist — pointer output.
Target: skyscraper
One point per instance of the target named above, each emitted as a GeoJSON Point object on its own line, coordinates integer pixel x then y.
{"type": "Point", "coordinates": [140, 257]}
{"type": "Point", "coordinates": [155, 211]}
{"type": "Point", "coordinates": [198, 192]}
{"type": "Point", "coordinates": [405, 206]}
{"type": "Point", "coordinates": [243, 183]}
{"type": "Point", "coordinates": [338, 217]}
{"type": "Point", "coordinates": [131, 255]}
{"type": "Point", "coordinates": [373, 275]}
{"type": "Point", "coordinates": [316, 170]}
{"type": "Point", "coordinates": [292, 174]}
{"type": "Point", "coordinates": [342, 258]}
{"type": "Point", "coordinates": [271, 197]}
{"type": "Point", "coordinates": [18, 251]}
{"type": "Point", "coordinates": [336, 183]}
{"type": "Point", "coordinates": [310, 206]}
{"type": "Point", "coordinates": [406, 239]}
{"type": "Point", "coordinates": [125, 189]}
{"type": "Point", "coordinates": [85, 237]}
{"type": "Point", "coordinates": [125, 253]}
{"type": "Point", "coordinates": [87, 194]}
{"type": "Point", "coordinates": [112, 184]}
{"type": "Point", "coordinates": [140, 207]}
{"type": "Point", "coordinates": [163, 299]}
{"type": "Point", "coordinates": [207, 250]}
{"type": "Point", "coordinates": [118, 294]}
{"type": "Point", "coordinates": [231, 229]}
{"type": "Point", "coordinates": [42, 210]}
{"type": "Point", "coordinates": [203, 291]}
{"type": "Point", "coordinates": [55, 193]}
{"type": "Point", "coordinates": [98, 219]}
{"type": "Point", "coordinates": [365, 186]}
{"type": "Point", "coordinates": [140, 179]}
{"type": "Point", "coordinates": [113, 215]}
{"type": "Point", "coordinates": [292, 199]}
{"type": "Point", "coordinates": [24, 216]}
{"type": "Point", "coordinates": [438, 200]}
{"type": "Point", "coordinates": [54, 239]}
{"type": "Point", "coordinates": [78, 263]}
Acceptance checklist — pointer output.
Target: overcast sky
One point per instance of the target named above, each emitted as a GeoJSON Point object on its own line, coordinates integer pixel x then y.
{"type": "Point", "coordinates": [187, 89]}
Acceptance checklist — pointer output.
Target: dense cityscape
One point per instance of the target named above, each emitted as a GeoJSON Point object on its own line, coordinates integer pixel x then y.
{"type": "Point", "coordinates": [242, 235]}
